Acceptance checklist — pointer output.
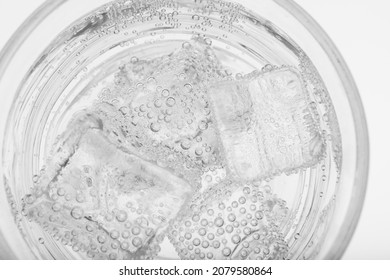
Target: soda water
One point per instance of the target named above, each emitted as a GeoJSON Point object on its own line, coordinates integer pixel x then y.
{"type": "Point", "coordinates": [190, 129]}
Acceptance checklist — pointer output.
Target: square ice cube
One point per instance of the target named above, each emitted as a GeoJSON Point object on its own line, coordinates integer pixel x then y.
{"type": "Point", "coordinates": [266, 125]}
{"type": "Point", "coordinates": [169, 106]}
{"type": "Point", "coordinates": [106, 202]}
{"type": "Point", "coordinates": [231, 221]}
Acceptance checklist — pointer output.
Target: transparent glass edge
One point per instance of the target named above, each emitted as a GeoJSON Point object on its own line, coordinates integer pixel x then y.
{"type": "Point", "coordinates": [362, 165]}
{"type": "Point", "coordinates": [7, 53]}
{"type": "Point", "coordinates": [23, 31]}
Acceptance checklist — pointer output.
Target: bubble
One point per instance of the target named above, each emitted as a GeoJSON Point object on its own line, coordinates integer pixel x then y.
{"type": "Point", "coordinates": [155, 127]}
{"type": "Point", "coordinates": [203, 125]}
{"type": "Point", "coordinates": [198, 151]}
{"type": "Point", "coordinates": [188, 87]}
{"type": "Point", "coordinates": [187, 223]}
{"type": "Point", "coordinates": [196, 218]}
{"type": "Point", "coordinates": [267, 189]}
{"type": "Point", "coordinates": [204, 222]}
{"type": "Point", "coordinates": [61, 192]}
{"type": "Point", "coordinates": [165, 93]}
{"type": "Point", "coordinates": [259, 215]}
{"type": "Point", "coordinates": [30, 199]}
{"type": "Point", "coordinates": [134, 59]}
{"type": "Point", "coordinates": [125, 245]}
{"type": "Point", "coordinates": [244, 254]}
{"type": "Point", "coordinates": [219, 222]}
{"type": "Point", "coordinates": [114, 234]}
{"type": "Point", "coordinates": [188, 236]}
{"type": "Point", "coordinates": [115, 244]}
{"type": "Point", "coordinates": [121, 216]}
{"type": "Point", "coordinates": [186, 45]}
{"type": "Point", "coordinates": [170, 101]}
{"type": "Point", "coordinates": [136, 230]}
{"type": "Point", "coordinates": [231, 217]}
{"type": "Point", "coordinates": [137, 242]}
{"type": "Point", "coordinates": [246, 190]}
{"type": "Point", "coordinates": [80, 198]}
{"type": "Point", "coordinates": [229, 229]}
{"type": "Point", "coordinates": [101, 239]}
{"type": "Point", "coordinates": [208, 41]}
{"type": "Point", "coordinates": [202, 232]}
{"type": "Point", "coordinates": [125, 234]}
{"type": "Point", "coordinates": [158, 103]}
{"type": "Point", "coordinates": [247, 231]}
{"type": "Point", "coordinates": [35, 178]}
{"type": "Point", "coordinates": [236, 239]}
{"type": "Point", "coordinates": [196, 241]}
{"type": "Point", "coordinates": [112, 256]}
{"type": "Point", "coordinates": [216, 244]}
{"type": "Point", "coordinates": [226, 251]}
{"type": "Point", "coordinates": [220, 231]}
{"type": "Point", "coordinates": [89, 228]}
{"type": "Point", "coordinates": [267, 67]}
{"type": "Point", "coordinates": [77, 213]}
{"type": "Point", "coordinates": [210, 236]}
{"type": "Point", "coordinates": [208, 178]}
{"type": "Point", "coordinates": [56, 207]}
{"type": "Point", "coordinates": [185, 144]}
{"type": "Point", "coordinates": [109, 217]}
{"type": "Point", "coordinates": [103, 249]}
{"type": "Point", "coordinates": [150, 115]}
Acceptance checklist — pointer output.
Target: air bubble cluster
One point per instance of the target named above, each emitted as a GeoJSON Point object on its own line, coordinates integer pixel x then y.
{"type": "Point", "coordinates": [234, 221]}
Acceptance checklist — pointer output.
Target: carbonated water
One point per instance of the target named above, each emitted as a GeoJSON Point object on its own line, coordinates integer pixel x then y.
{"type": "Point", "coordinates": [176, 130]}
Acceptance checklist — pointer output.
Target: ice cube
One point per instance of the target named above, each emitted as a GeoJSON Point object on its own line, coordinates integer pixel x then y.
{"type": "Point", "coordinates": [266, 125]}
{"type": "Point", "coordinates": [168, 107]}
{"type": "Point", "coordinates": [106, 202]}
{"type": "Point", "coordinates": [232, 221]}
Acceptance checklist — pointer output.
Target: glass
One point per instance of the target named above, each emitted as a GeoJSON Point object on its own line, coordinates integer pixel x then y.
{"type": "Point", "coordinates": [38, 32]}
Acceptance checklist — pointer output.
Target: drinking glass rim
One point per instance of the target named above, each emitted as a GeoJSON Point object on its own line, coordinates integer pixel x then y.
{"type": "Point", "coordinates": [316, 31]}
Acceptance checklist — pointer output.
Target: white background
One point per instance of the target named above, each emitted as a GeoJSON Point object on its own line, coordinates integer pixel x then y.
{"type": "Point", "coordinates": [360, 29]}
